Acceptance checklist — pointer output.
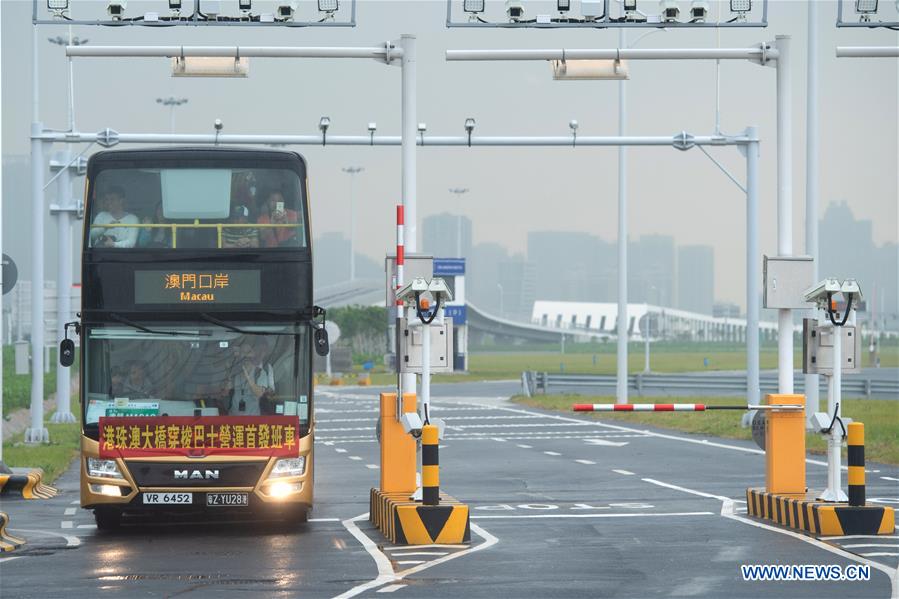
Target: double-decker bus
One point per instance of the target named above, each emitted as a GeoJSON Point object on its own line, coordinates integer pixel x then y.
{"type": "Point", "coordinates": [197, 329]}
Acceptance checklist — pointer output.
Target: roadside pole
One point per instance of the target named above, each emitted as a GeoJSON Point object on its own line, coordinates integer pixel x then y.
{"type": "Point", "coordinates": [3, 467]}
{"type": "Point", "coordinates": [784, 205]}
{"type": "Point", "coordinates": [63, 212]}
{"type": "Point", "coordinates": [409, 146]}
{"type": "Point", "coordinates": [812, 397]}
{"type": "Point", "coordinates": [621, 378]}
{"type": "Point", "coordinates": [752, 267]}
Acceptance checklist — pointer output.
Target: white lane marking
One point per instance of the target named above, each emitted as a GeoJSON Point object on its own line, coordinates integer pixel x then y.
{"type": "Point", "coordinates": [624, 472]}
{"type": "Point", "coordinates": [70, 511]}
{"type": "Point", "coordinates": [889, 478]}
{"type": "Point", "coordinates": [91, 526]}
{"type": "Point", "coordinates": [8, 559]}
{"type": "Point", "coordinates": [411, 553]}
{"type": "Point", "coordinates": [586, 462]}
{"type": "Point", "coordinates": [354, 457]}
{"type": "Point", "coordinates": [685, 490]}
{"type": "Point", "coordinates": [390, 588]}
{"type": "Point", "coordinates": [372, 466]}
{"type": "Point", "coordinates": [552, 453]}
{"type": "Point", "coordinates": [385, 572]}
{"type": "Point", "coordinates": [66, 524]}
{"type": "Point", "coordinates": [856, 545]}
{"type": "Point", "coordinates": [606, 443]}
{"type": "Point", "coordinates": [411, 561]}
{"type": "Point", "coordinates": [879, 554]}
{"type": "Point", "coordinates": [71, 541]}
{"type": "Point", "coordinates": [324, 519]}
{"type": "Point", "coordinates": [498, 439]}
{"type": "Point", "coordinates": [406, 547]}
{"type": "Point", "coordinates": [881, 537]}
{"type": "Point", "coordinates": [339, 450]}
{"type": "Point", "coordinates": [523, 446]}
{"type": "Point", "coordinates": [629, 515]}
{"type": "Point", "coordinates": [76, 502]}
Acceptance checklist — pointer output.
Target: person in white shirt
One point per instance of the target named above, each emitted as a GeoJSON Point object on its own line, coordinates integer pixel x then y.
{"type": "Point", "coordinates": [254, 383]}
{"type": "Point", "coordinates": [114, 237]}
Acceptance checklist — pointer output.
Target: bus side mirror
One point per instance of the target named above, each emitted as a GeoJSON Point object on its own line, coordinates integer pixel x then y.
{"type": "Point", "coordinates": [66, 352]}
{"type": "Point", "coordinates": [322, 346]}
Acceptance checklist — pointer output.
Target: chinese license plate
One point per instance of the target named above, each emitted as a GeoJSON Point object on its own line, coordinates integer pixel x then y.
{"type": "Point", "coordinates": [168, 498]}
{"type": "Point", "coordinates": [227, 499]}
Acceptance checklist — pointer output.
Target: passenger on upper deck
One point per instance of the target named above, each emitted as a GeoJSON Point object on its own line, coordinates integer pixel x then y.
{"type": "Point", "coordinates": [114, 214]}
{"type": "Point", "coordinates": [240, 237]}
{"type": "Point", "coordinates": [275, 212]}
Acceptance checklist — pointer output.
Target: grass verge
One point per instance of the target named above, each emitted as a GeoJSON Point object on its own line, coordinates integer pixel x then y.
{"type": "Point", "coordinates": [881, 418]}
{"type": "Point", "coordinates": [54, 458]}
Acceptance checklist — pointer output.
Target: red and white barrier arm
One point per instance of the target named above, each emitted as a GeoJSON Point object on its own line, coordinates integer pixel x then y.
{"type": "Point", "coordinates": [670, 407]}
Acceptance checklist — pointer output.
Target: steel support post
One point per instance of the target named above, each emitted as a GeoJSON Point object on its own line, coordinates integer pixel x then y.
{"type": "Point", "coordinates": [784, 205]}
{"type": "Point", "coordinates": [63, 282]}
{"type": "Point", "coordinates": [409, 141]}
{"type": "Point", "coordinates": [812, 399]}
{"type": "Point", "coordinates": [621, 377]}
{"type": "Point", "coordinates": [753, 276]}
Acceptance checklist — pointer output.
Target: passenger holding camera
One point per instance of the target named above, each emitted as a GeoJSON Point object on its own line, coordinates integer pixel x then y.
{"type": "Point", "coordinates": [274, 212]}
{"type": "Point", "coordinates": [114, 214]}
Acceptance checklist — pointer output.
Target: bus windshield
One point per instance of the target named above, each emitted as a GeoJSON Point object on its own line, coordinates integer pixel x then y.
{"type": "Point", "coordinates": [191, 208]}
{"type": "Point", "coordinates": [188, 370]}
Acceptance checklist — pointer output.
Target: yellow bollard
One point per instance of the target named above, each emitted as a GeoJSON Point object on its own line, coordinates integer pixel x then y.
{"type": "Point", "coordinates": [785, 447]}
{"type": "Point", "coordinates": [856, 459]}
{"type": "Point", "coordinates": [397, 447]}
{"type": "Point", "coordinates": [430, 466]}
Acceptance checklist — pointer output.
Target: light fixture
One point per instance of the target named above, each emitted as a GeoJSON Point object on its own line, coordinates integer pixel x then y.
{"type": "Point", "coordinates": [372, 127]}
{"type": "Point", "coordinates": [473, 6]}
{"type": "Point", "coordinates": [285, 10]}
{"type": "Point", "coordinates": [865, 8]}
{"type": "Point", "coordinates": [116, 8]}
{"type": "Point", "coordinates": [572, 124]}
{"type": "Point", "coordinates": [290, 466]}
{"type": "Point", "coordinates": [328, 6]}
{"type": "Point", "coordinates": [580, 70]}
{"type": "Point", "coordinates": [740, 6]}
{"type": "Point", "coordinates": [57, 7]}
{"type": "Point", "coordinates": [670, 10]}
{"type": "Point", "coordinates": [175, 5]}
{"type": "Point", "coordinates": [210, 66]}
{"type": "Point", "coordinates": [422, 127]}
{"type": "Point", "coordinates": [245, 5]}
{"type": "Point", "coordinates": [699, 11]}
{"type": "Point", "coordinates": [324, 123]}
{"type": "Point", "coordinates": [563, 5]}
{"type": "Point", "coordinates": [514, 10]}
{"type": "Point", "coordinates": [469, 128]}
{"type": "Point", "coordinates": [281, 489]}
{"type": "Point", "coordinates": [108, 490]}
{"type": "Point", "coordinates": [99, 468]}
{"type": "Point", "coordinates": [630, 5]}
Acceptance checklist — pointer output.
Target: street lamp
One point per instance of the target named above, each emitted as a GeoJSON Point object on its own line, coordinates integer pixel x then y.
{"type": "Point", "coordinates": [352, 171]}
{"type": "Point", "coordinates": [69, 41]}
{"type": "Point", "coordinates": [171, 102]}
{"type": "Point", "coordinates": [458, 191]}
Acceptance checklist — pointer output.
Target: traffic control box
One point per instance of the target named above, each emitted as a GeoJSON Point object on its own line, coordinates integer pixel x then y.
{"type": "Point", "coordinates": [398, 449]}
{"type": "Point", "coordinates": [785, 446]}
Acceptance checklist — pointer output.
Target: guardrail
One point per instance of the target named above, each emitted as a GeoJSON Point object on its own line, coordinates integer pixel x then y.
{"type": "Point", "coordinates": [853, 386]}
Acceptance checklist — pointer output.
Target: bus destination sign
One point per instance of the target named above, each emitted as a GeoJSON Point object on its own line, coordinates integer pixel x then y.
{"type": "Point", "coordinates": [186, 286]}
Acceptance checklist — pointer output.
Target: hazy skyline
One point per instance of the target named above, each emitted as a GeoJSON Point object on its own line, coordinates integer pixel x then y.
{"type": "Point", "coordinates": [512, 190]}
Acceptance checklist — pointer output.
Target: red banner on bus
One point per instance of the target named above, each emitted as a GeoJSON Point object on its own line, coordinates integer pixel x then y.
{"type": "Point", "coordinates": [153, 436]}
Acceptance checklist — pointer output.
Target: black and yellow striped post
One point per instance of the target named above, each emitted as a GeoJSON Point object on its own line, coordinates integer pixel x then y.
{"type": "Point", "coordinates": [856, 463]}
{"type": "Point", "coordinates": [430, 468]}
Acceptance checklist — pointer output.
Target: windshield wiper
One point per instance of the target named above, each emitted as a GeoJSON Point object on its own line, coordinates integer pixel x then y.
{"type": "Point", "coordinates": [140, 327]}
{"type": "Point", "coordinates": [235, 329]}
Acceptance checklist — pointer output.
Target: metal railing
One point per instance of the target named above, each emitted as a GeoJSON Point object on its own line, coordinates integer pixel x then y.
{"type": "Point", "coordinates": [708, 383]}
{"type": "Point", "coordinates": [219, 227]}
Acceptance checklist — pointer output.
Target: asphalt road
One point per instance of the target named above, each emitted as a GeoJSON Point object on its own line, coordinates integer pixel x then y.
{"type": "Point", "coordinates": [561, 506]}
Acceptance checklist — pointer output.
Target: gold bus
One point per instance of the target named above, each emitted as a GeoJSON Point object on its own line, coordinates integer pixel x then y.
{"type": "Point", "coordinates": [197, 329]}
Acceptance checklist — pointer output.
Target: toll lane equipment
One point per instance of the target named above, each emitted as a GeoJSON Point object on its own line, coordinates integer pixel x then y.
{"type": "Point", "coordinates": [671, 407]}
{"type": "Point", "coordinates": [430, 466]}
{"type": "Point", "coordinates": [856, 460]}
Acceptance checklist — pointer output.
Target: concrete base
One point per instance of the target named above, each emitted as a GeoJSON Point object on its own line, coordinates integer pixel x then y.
{"type": "Point", "coordinates": [37, 435]}
{"type": "Point", "coordinates": [407, 522]}
{"type": "Point", "coordinates": [805, 513]}
{"type": "Point", "coordinates": [62, 418]}
{"type": "Point", "coordinates": [27, 482]}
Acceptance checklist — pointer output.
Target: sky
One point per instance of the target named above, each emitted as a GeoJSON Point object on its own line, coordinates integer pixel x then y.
{"type": "Point", "coordinates": [512, 190]}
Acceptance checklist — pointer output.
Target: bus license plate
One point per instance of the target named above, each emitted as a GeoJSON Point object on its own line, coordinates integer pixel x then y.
{"type": "Point", "coordinates": [227, 499]}
{"type": "Point", "coordinates": [168, 498]}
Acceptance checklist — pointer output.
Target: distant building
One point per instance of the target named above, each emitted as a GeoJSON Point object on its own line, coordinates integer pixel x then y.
{"type": "Point", "coordinates": [483, 273]}
{"type": "Point", "coordinates": [651, 270]}
{"type": "Point", "coordinates": [332, 261]}
{"type": "Point", "coordinates": [696, 278]}
{"type": "Point", "coordinates": [447, 235]}
{"type": "Point", "coordinates": [517, 284]}
{"type": "Point", "coordinates": [572, 266]}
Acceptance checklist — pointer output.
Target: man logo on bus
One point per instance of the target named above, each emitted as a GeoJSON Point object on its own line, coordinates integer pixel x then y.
{"type": "Point", "coordinates": [197, 475]}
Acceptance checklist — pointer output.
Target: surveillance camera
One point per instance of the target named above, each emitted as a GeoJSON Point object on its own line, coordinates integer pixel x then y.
{"type": "Point", "coordinates": [324, 123]}
{"type": "Point", "coordinates": [437, 287]}
{"type": "Point", "coordinates": [670, 10]}
{"type": "Point", "coordinates": [372, 127]}
{"type": "Point", "coordinates": [699, 11]}
{"type": "Point", "coordinates": [515, 10]}
{"type": "Point", "coordinates": [286, 10]}
{"type": "Point", "coordinates": [851, 287]}
{"type": "Point", "coordinates": [116, 8]}
{"type": "Point", "coordinates": [818, 292]}
{"type": "Point", "coordinates": [572, 124]}
{"type": "Point", "coordinates": [422, 127]}
{"type": "Point", "coordinates": [412, 424]}
{"type": "Point", "coordinates": [469, 124]}
{"type": "Point", "coordinates": [219, 124]}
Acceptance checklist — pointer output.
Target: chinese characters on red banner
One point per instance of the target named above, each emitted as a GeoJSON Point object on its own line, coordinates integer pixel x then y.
{"type": "Point", "coordinates": [208, 435]}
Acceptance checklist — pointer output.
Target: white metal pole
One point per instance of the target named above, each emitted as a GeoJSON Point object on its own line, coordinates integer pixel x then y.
{"type": "Point", "coordinates": [352, 226]}
{"type": "Point", "coordinates": [834, 491]}
{"type": "Point", "coordinates": [37, 433]}
{"type": "Point", "coordinates": [409, 140]}
{"type": "Point", "coordinates": [646, 338]}
{"type": "Point", "coordinates": [3, 468]}
{"type": "Point", "coordinates": [812, 396]}
{"type": "Point", "coordinates": [63, 283]}
{"type": "Point", "coordinates": [426, 371]}
{"type": "Point", "coordinates": [752, 267]}
{"type": "Point", "coordinates": [867, 52]}
{"type": "Point", "coordinates": [784, 205]}
{"type": "Point", "coordinates": [621, 374]}
{"type": "Point", "coordinates": [71, 88]}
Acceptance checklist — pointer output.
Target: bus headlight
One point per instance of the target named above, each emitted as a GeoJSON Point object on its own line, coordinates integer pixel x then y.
{"type": "Point", "coordinates": [103, 468]}
{"type": "Point", "coordinates": [110, 490]}
{"type": "Point", "coordinates": [282, 489]}
{"type": "Point", "coordinates": [289, 467]}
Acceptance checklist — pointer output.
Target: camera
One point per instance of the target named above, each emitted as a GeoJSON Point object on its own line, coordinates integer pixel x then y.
{"type": "Point", "coordinates": [218, 124]}
{"type": "Point", "coordinates": [670, 10]}
{"type": "Point", "coordinates": [436, 287]}
{"type": "Point", "coordinates": [515, 10]}
{"type": "Point", "coordinates": [818, 292]}
{"type": "Point", "coordinates": [699, 10]}
{"type": "Point", "coordinates": [116, 8]}
{"type": "Point", "coordinates": [412, 423]}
